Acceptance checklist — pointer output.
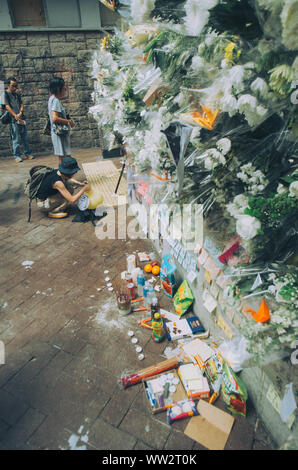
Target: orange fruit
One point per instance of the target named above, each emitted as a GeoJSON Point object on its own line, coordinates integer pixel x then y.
{"type": "Point", "coordinates": [155, 270]}
{"type": "Point", "coordinates": [148, 268]}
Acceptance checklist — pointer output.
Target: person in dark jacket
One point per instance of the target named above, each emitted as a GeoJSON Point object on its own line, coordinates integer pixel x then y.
{"type": "Point", "coordinates": [18, 129]}
{"type": "Point", "coordinates": [55, 195]}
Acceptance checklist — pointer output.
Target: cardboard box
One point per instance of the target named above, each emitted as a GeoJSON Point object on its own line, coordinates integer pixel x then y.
{"type": "Point", "coordinates": [178, 395]}
{"type": "Point", "coordinates": [211, 428]}
{"type": "Point", "coordinates": [183, 328]}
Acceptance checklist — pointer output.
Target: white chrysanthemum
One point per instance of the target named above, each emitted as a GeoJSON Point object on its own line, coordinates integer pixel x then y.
{"type": "Point", "coordinates": [197, 15]}
{"type": "Point", "coordinates": [261, 111]}
{"type": "Point", "coordinates": [197, 63]}
{"type": "Point", "coordinates": [236, 76]}
{"type": "Point", "coordinates": [214, 153]}
{"type": "Point", "coordinates": [247, 226]}
{"type": "Point", "coordinates": [260, 87]}
{"type": "Point", "coordinates": [141, 9]}
{"type": "Point", "coordinates": [294, 189]}
{"type": "Point", "coordinates": [241, 201]}
{"type": "Point", "coordinates": [289, 21]}
{"type": "Point", "coordinates": [281, 189]}
{"type": "Point", "coordinates": [209, 163]}
{"type": "Point", "coordinates": [224, 145]}
{"type": "Point", "coordinates": [246, 102]}
{"type": "Point", "coordinates": [212, 158]}
{"type": "Point", "coordinates": [210, 36]}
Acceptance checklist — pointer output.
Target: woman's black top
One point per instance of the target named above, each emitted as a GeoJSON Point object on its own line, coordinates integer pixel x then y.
{"type": "Point", "coordinates": [46, 188]}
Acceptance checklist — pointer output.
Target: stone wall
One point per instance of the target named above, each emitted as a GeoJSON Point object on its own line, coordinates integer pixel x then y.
{"type": "Point", "coordinates": [33, 58]}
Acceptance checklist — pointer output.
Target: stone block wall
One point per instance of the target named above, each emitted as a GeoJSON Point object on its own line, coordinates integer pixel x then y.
{"type": "Point", "coordinates": [34, 58]}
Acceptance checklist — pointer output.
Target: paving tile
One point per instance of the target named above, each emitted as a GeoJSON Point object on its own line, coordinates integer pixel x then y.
{"type": "Point", "coordinates": [117, 408]}
{"type": "Point", "coordinates": [141, 446]}
{"type": "Point", "coordinates": [67, 341]}
{"type": "Point", "coordinates": [49, 373]}
{"type": "Point", "coordinates": [179, 441]}
{"type": "Point", "coordinates": [40, 356]}
{"type": "Point", "coordinates": [88, 371]}
{"type": "Point", "coordinates": [15, 361]}
{"type": "Point", "coordinates": [4, 427]}
{"type": "Point", "coordinates": [146, 427]}
{"type": "Point", "coordinates": [50, 436]}
{"type": "Point", "coordinates": [18, 435]}
{"type": "Point", "coordinates": [11, 407]}
{"type": "Point", "coordinates": [104, 436]}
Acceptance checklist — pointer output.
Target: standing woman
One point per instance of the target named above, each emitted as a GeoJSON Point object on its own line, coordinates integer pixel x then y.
{"type": "Point", "coordinates": [57, 115]}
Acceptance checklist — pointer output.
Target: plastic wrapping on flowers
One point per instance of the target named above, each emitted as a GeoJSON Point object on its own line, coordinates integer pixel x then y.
{"type": "Point", "coordinates": [235, 86]}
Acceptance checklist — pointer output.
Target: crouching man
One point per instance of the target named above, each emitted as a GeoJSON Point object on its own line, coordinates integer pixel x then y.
{"type": "Point", "coordinates": [56, 192]}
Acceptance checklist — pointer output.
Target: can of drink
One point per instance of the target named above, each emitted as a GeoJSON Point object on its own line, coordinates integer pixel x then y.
{"type": "Point", "coordinates": [131, 289]}
{"type": "Point", "coordinates": [128, 278]}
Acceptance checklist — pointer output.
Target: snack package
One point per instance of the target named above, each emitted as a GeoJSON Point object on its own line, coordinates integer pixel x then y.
{"type": "Point", "coordinates": [213, 371]}
{"type": "Point", "coordinates": [233, 390]}
{"type": "Point", "coordinates": [183, 298]}
{"type": "Point", "coordinates": [167, 275]}
{"type": "Point", "coordinates": [181, 409]}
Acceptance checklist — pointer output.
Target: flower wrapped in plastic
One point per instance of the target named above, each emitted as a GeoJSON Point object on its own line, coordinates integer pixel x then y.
{"type": "Point", "coordinates": [289, 20]}
{"type": "Point", "coordinates": [197, 16]}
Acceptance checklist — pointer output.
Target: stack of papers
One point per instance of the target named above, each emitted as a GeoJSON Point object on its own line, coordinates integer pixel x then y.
{"type": "Point", "coordinates": [196, 386]}
{"type": "Point", "coordinates": [198, 351]}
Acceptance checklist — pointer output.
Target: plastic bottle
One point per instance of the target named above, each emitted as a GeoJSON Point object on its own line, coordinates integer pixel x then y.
{"type": "Point", "coordinates": [131, 263]}
{"type": "Point", "coordinates": [148, 298]}
{"type": "Point", "coordinates": [145, 290]}
{"type": "Point", "coordinates": [134, 274]}
{"type": "Point", "coordinates": [158, 333]}
{"type": "Point", "coordinates": [140, 284]}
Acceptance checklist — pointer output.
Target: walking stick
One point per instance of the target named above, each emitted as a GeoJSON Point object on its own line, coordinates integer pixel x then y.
{"type": "Point", "coordinates": [121, 174]}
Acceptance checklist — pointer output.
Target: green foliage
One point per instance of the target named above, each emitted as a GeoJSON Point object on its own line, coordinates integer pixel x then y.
{"type": "Point", "coordinates": [133, 104]}
{"type": "Point", "coordinates": [114, 44]}
{"type": "Point", "coordinates": [271, 210]}
{"type": "Point", "coordinates": [171, 10]}
{"type": "Point", "coordinates": [237, 17]}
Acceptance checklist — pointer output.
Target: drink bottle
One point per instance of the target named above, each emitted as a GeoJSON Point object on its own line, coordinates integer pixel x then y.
{"type": "Point", "coordinates": [158, 334]}
{"type": "Point", "coordinates": [140, 284]}
{"type": "Point", "coordinates": [148, 298]}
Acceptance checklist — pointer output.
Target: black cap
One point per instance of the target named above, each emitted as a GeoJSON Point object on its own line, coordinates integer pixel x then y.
{"type": "Point", "coordinates": [68, 166]}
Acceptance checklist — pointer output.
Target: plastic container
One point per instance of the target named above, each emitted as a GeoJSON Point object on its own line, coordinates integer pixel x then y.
{"type": "Point", "coordinates": [149, 296]}
{"type": "Point", "coordinates": [145, 290]}
{"type": "Point", "coordinates": [134, 274]}
{"type": "Point", "coordinates": [131, 263]}
{"type": "Point", "coordinates": [140, 284]}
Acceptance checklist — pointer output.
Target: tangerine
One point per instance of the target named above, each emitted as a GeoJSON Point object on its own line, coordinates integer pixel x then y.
{"type": "Point", "coordinates": [155, 270]}
{"type": "Point", "coordinates": [148, 268]}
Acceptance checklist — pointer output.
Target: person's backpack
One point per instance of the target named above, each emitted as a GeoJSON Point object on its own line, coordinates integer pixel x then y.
{"type": "Point", "coordinates": [5, 117]}
{"type": "Point", "coordinates": [37, 175]}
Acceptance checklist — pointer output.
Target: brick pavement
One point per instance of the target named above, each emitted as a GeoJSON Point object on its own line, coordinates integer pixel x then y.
{"type": "Point", "coordinates": [66, 346]}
